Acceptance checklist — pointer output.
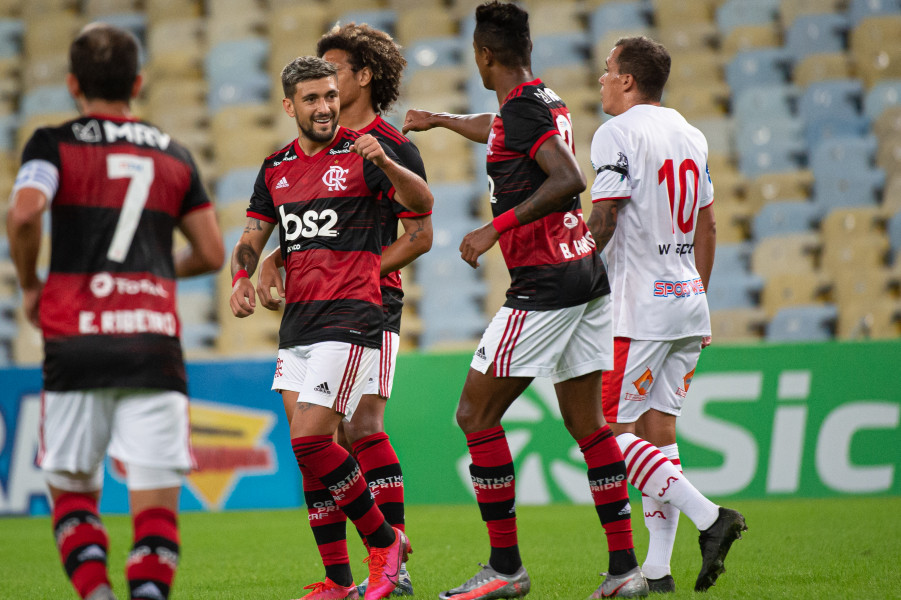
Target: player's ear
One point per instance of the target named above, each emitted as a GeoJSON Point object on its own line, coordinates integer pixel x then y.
{"type": "Point", "coordinates": [73, 86]}
{"type": "Point", "coordinates": [288, 105]}
{"type": "Point", "coordinates": [136, 86]}
{"type": "Point", "coordinates": [364, 76]}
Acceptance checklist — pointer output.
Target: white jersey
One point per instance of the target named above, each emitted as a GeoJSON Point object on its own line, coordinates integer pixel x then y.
{"type": "Point", "coordinates": [651, 160]}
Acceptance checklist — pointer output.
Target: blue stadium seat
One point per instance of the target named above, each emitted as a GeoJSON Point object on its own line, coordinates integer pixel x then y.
{"type": "Point", "coordinates": [456, 201]}
{"type": "Point", "coordinates": [893, 228]}
{"type": "Point", "coordinates": [820, 129]}
{"type": "Point", "coordinates": [134, 22]}
{"type": "Point", "coordinates": [757, 66]}
{"type": "Point", "coordinates": [613, 16]}
{"type": "Point", "coordinates": [812, 34]}
{"type": "Point", "coordinates": [732, 258]}
{"type": "Point", "coordinates": [9, 124]}
{"type": "Point", "coordinates": [11, 31]}
{"type": "Point", "coordinates": [883, 94]}
{"type": "Point", "coordinates": [235, 186]}
{"type": "Point", "coordinates": [733, 290]}
{"type": "Point", "coordinates": [861, 9]}
{"type": "Point", "coordinates": [558, 50]}
{"type": "Point", "coordinates": [805, 323]}
{"type": "Point", "coordinates": [383, 19]}
{"type": "Point", "coordinates": [765, 102]}
{"type": "Point", "coordinates": [736, 13]}
{"type": "Point", "coordinates": [253, 88]}
{"type": "Point", "coordinates": [46, 99]}
{"type": "Point", "coordinates": [784, 216]}
{"type": "Point", "coordinates": [235, 60]}
{"type": "Point", "coordinates": [770, 147]}
{"type": "Point", "coordinates": [847, 154]}
{"type": "Point", "coordinates": [835, 98]}
{"type": "Point", "coordinates": [435, 52]}
{"type": "Point", "coordinates": [847, 188]}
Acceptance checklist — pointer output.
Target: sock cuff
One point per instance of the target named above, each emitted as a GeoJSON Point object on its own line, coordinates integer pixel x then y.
{"type": "Point", "coordinates": [625, 440]}
{"type": "Point", "coordinates": [370, 440]}
{"type": "Point", "coordinates": [489, 448]}
{"type": "Point", "coordinates": [587, 442]}
{"type": "Point", "coordinates": [485, 436]}
{"type": "Point", "coordinates": [74, 501]}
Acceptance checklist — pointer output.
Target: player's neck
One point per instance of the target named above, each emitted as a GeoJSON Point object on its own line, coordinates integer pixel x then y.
{"type": "Point", "coordinates": [506, 80]}
{"type": "Point", "coordinates": [357, 116]}
{"type": "Point", "coordinates": [312, 147]}
{"type": "Point", "coordinates": [106, 108]}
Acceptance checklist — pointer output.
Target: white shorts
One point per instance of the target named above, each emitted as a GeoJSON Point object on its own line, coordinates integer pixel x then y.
{"type": "Point", "coordinates": [648, 374]}
{"type": "Point", "coordinates": [381, 378]}
{"type": "Point", "coordinates": [139, 427]}
{"type": "Point", "coordinates": [560, 344]}
{"type": "Point", "coordinates": [330, 374]}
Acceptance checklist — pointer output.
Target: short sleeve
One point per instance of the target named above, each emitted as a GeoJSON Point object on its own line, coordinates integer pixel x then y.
{"type": "Point", "coordinates": [375, 178]}
{"type": "Point", "coordinates": [527, 124]}
{"type": "Point", "coordinates": [705, 189]}
{"type": "Point", "coordinates": [610, 163]}
{"type": "Point", "coordinates": [261, 204]}
{"type": "Point", "coordinates": [41, 146]}
{"type": "Point", "coordinates": [196, 197]}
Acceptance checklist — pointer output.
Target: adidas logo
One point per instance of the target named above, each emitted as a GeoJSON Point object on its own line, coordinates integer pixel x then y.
{"type": "Point", "coordinates": [626, 510]}
{"type": "Point", "coordinates": [480, 353]}
{"type": "Point", "coordinates": [92, 552]}
{"type": "Point", "coordinates": [323, 388]}
{"type": "Point", "coordinates": [147, 590]}
{"type": "Point", "coordinates": [282, 183]}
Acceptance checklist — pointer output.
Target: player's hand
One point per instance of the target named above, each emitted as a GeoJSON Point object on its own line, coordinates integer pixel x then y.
{"type": "Point", "coordinates": [417, 120]}
{"type": "Point", "coordinates": [477, 242]}
{"type": "Point", "coordinates": [369, 148]}
{"type": "Point", "coordinates": [706, 341]}
{"type": "Point", "coordinates": [243, 301]}
{"type": "Point", "coordinates": [31, 302]}
{"type": "Point", "coordinates": [270, 277]}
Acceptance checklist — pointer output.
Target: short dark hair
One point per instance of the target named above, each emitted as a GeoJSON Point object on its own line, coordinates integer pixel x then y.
{"type": "Point", "coordinates": [305, 68]}
{"type": "Point", "coordinates": [503, 28]}
{"type": "Point", "coordinates": [648, 62]}
{"type": "Point", "coordinates": [368, 47]}
{"type": "Point", "coordinates": [104, 60]}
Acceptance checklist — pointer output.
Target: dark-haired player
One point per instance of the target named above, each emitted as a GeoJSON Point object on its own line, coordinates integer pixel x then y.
{"type": "Point", "coordinates": [556, 321]}
{"type": "Point", "coordinates": [369, 66]}
{"type": "Point", "coordinates": [652, 191]}
{"type": "Point", "coordinates": [114, 376]}
{"type": "Point", "coordinates": [323, 191]}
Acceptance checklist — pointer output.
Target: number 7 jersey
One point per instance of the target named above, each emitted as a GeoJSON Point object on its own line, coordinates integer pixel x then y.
{"type": "Point", "coordinates": [655, 164]}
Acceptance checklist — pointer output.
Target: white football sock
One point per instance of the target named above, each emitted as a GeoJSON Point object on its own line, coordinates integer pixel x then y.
{"type": "Point", "coordinates": [661, 519]}
{"type": "Point", "coordinates": [653, 473]}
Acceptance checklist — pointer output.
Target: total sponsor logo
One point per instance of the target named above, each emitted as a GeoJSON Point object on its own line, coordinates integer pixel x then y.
{"type": "Point", "coordinates": [679, 289]}
{"type": "Point", "coordinates": [104, 284]}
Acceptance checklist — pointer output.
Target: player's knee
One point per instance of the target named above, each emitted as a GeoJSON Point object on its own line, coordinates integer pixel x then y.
{"type": "Point", "coordinates": [82, 483]}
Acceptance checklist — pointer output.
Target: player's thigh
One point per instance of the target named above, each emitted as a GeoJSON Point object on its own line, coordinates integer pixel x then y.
{"type": "Point", "coordinates": [485, 398]}
{"type": "Point", "coordinates": [76, 427]}
{"type": "Point", "coordinates": [674, 376]}
{"type": "Point", "coordinates": [151, 430]}
{"type": "Point", "coordinates": [627, 387]}
{"type": "Point", "coordinates": [589, 345]}
{"type": "Point", "coordinates": [336, 374]}
{"type": "Point", "coordinates": [380, 381]}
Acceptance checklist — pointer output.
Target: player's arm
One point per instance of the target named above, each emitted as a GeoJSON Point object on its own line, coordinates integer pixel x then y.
{"type": "Point", "coordinates": [270, 277]}
{"type": "Point", "coordinates": [410, 190]}
{"type": "Point", "coordinates": [205, 252]}
{"type": "Point", "coordinates": [705, 243]}
{"type": "Point", "coordinates": [602, 222]}
{"type": "Point", "coordinates": [564, 180]}
{"type": "Point", "coordinates": [472, 127]}
{"type": "Point", "coordinates": [416, 241]}
{"type": "Point", "coordinates": [23, 229]}
{"type": "Point", "coordinates": [244, 260]}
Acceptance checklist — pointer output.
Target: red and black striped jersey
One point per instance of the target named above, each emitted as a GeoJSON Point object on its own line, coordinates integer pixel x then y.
{"type": "Point", "coordinates": [553, 261]}
{"type": "Point", "coordinates": [392, 212]}
{"type": "Point", "coordinates": [327, 207]}
{"type": "Point", "coordinates": [108, 308]}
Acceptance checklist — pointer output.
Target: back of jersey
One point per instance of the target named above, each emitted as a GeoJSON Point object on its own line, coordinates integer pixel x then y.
{"type": "Point", "coordinates": [653, 162]}
{"type": "Point", "coordinates": [108, 310]}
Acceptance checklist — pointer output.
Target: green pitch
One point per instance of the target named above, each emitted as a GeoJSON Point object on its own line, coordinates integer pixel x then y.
{"type": "Point", "coordinates": [842, 548]}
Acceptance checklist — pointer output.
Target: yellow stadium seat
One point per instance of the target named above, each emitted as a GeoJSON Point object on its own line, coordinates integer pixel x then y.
{"type": "Point", "coordinates": [737, 325]}
{"type": "Point", "coordinates": [792, 253]}
{"type": "Point", "coordinates": [770, 187]}
{"type": "Point", "coordinates": [791, 9]}
{"type": "Point", "coordinates": [822, 66]}
{"type": "Point", "coordinates": [746, 37]}
{"type": "Point", "coordinates": [791, 289]}
{"type": "Point", "coordinates": [876, 319]}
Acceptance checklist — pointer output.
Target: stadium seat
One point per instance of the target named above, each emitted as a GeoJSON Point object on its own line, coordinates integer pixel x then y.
{"type": "Point", "coordinates": [788, 253]}
{"type": "Point", "coordinates": [737, 325]}
{"type": "Point", "coordinates": [561, 16]}
{"type": "Point", "coordinates": [765, 102]}
{"type": "Point", "coordinates": [736, 13]}
{"type": "Point", "coordinates": [862, 9]}
{"type": "Point", "coordinates": [231, 62]}
{"type": "Point", "coordinates": [791, 10]}
{"type": "Point", "coordinates": [881, 96]}
{"type": "Point", "coordinates": [785, 216]}
{"type": "Point", "coordinates": [46, 99]}
{"type": "Point", "coordinates": [837, 99]}
{"type": "Point", "coordinates": [808, 323]}
{"type": "Point", "coordinates": [792, 289]}
{"type": "Point", "coordinates": [8, 126]}
{"type": "Point", "coordinates": [757, 66]}
{"type": "Point", "coordinates": [893, 229]}
{"type": "Point", "coordinates": [688, 37]}
{"type": "Point", "coordinates": [617, 15]}
{"type": "Point", "coordinates": [774, 156]}
{"type": "Point", "coordinates": [733, 290]}
{"type": "Point", "coordinates": [294, 28]}
{"type": "Point", "coordinates": [236, 186]}
{"type": "Point", "coordinates": [175, 48]}
{"type": "Point", "coordinates": [876, 319]}
{"type": "Point", "coordinates": [383, 19]}
{"type": "Point", "coordinates": [159, 11]}
{"type": "Point", "coordinates": [820, 67]}
{"type": "Point", "coordinates": [747, 37]}
{"type": "Point", "coordinates": [554, 50]}
{"type": "Point", "coordinates": [695, 68]}
{"type": "Point", "coordinates": [53, 34]}
{"type": "Point", "coordinates": [697, 103]}
{"type": "Point", "coordinates": [435, 52]}
{"type": "Point", "coordinates": [96, 9]}
{"type": "Point", "coordinates": [844, 256]}
{"type": "Point", "coordinates": [813, 33]}
{"type": "Point", "coordinates": [11, 32]}
{"type": "Point", "coordinates": [848, 188]}
{"type": "Point", "coordinates": [133, 21]}
{"type": "Point", "coordinates": [848, 154]}
{"type": "Point", "coordinates": [891, 194]}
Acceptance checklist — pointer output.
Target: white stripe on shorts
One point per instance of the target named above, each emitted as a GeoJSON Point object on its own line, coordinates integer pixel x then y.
{"type": "Point", "coordinates": [504, 357]}
{"type": "Point", "coordinates": [350, 376]}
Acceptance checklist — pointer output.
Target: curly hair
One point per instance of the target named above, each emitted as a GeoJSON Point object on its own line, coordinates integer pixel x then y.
{"type": "Point", "coordinates": [368, 47]}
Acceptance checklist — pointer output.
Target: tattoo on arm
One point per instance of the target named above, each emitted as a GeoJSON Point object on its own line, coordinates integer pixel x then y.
{"type": "Point", "coordinates": [415, 234]}
{"type": "Point", "coordinates": [247, 258]}
{"type": "Point", "coordinates": [253, 225]}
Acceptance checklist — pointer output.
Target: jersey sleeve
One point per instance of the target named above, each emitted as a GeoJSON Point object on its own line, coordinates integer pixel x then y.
{"type": "Point", "coordinates": [41, 146]}
{"type": "Point", "coordinates": [527, 124]}
{"type": "Point", "coordinates": [262, 206]}
{"type": "Point", "coordinates": [375, 178]}
{"type": "Point", "coordinates": [705, 189]}
{"type": "Point", "coordinates": [196, 196]}
{"type": "Point", "coordinates": [409, 156]}
{"type": "Point", "coordinates": [610, 162]}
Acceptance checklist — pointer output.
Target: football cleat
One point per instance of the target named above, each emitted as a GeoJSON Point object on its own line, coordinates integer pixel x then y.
{"type": "Point", "coordinates": [329, 590]}
{"type": "Point", "coordinates": [101, 592]}
{"type": "Point", "coordinates": [385, 565]}
{"type": "Point", "coordinates": [664, 585]}
{"type": "Point", "coordinates": [631, 584]}
{"type": "Point", "coordinates": [715, 542]}
{"type": "Point", "coordinates": [404, 585]}
{"type": "Point", "coordinates": [488, 584]}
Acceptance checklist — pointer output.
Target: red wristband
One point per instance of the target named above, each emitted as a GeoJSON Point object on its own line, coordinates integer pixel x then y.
{"type": "Point", "coordinates": [505, 221]}
{"type": "Point", "coordinates": [239, 275]}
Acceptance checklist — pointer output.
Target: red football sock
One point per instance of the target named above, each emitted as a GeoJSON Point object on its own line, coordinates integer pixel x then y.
{"type": "Point", "coordinates": [154, 557]}
{"type": "Point", "coordinates": [82, 541]}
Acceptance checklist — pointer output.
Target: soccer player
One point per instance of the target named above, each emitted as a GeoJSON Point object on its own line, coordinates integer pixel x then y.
{"type": "Point", "coordinates": [369, 67]}
{"type": "Point", "coordinates": [653, 212]}
{"type": "Point", "coordinates": [556, 321]}
{"type": "Point", "coordinates": [114, 376]}
{"type": "Point", "coordinates": [323, 190]}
